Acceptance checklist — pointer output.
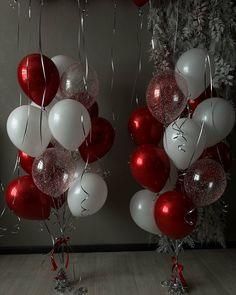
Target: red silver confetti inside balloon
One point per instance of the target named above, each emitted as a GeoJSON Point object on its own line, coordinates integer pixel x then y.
{"type": "Point", "coordinates": [205, 182]}
{"type": "Point", "coordinates": [165, 99]}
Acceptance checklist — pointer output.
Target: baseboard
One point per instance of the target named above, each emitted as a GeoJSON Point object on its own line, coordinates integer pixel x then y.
{"type": "Point", "coordinates": [100, 248]}
{"type": "Point", "coordinates": [79, 249]}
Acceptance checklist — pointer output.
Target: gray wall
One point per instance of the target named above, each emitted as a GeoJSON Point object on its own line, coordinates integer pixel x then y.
{"type": "Point", "coordinates": [113, 224]}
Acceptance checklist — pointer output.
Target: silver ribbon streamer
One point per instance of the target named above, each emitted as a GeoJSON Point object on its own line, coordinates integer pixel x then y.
{"type": "Point", "coordinates": [114, 28]}
{"type": "Point", "coordinates": [139, 65]}
{"type": "Point", "coordinates": [84, 209]}
{"type": "Point", "coordinates": [43, 68]}
{"type": "Point", "coordinates": [82, 45]}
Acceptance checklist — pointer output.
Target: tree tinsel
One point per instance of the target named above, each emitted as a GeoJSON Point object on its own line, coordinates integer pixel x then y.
{"type": "Point", "coordinates": [180, 25]}
{"type": "Point", "coordinates": [177, 26]}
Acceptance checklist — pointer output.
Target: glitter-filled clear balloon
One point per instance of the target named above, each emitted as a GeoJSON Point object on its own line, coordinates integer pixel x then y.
{"type": "Point", "coordinates": [53, 172]}
{"type": "Point", "coordinates": [205, 182]}
{"type": "Point", "coordinates": [75, 84]}
{"type": "Point", "coordinates": [167, 96]}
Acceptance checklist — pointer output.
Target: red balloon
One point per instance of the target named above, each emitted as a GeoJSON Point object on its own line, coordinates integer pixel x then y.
{"type": "Point", "coordinates": [175, 215]}
{"type": "Point", "coordinates": [26, 162]}
{"type": "Point", "coordinates": [150, 167]}
{"type": "Point", "coordinates": [140, 3]}
{"type": "Point", "coordinates": [193, 103]}
{"type": "Point", "coordinates": [144, 128]}
{"type": "Point", "coordinates": [93, 110]}
{"type": "Point", "coordinates": [26, 200]}
{"type": "Point", "coordinates": [57, 203]}
{"type": "Point", "coordinates": [99, 142]}
{"type": "Point", "coordinates": [32, 80]}
{"type": "Point", "coordinates": [220, 153]}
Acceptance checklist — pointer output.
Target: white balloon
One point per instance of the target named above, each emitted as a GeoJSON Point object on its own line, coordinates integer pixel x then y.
{"type": "Point", "coordinates": [194, 66]}
{"type": "Point", "coordinates": [171, 181]}
{"type": "Point", "coordinates": [142, 210]}
{"type": "Point", "coordinates": [62, 63]}
{"type": "Point", "coordinates": [23, 128]}
{"type": "Point", "coordinates": [184, 141]}
{"type": "Point", "coordinates": [70, 123]}
{"type": "Point", "coordinates": [87, 195]}
{"type": "Point", "coordinates": [218, 116]}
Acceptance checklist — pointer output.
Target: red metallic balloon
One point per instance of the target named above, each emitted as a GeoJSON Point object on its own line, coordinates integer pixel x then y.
{"type": "Point", "coordinates": [93, 110]}
{"type": "Point", "coordinates": [193, 103]}
{"type": "Point", "coordinates": [37, 73]}
{"type": "Point", "coordinates": [26, 200]}
{"type": "Point", "coordinates": [144, 128]}
{"type": "Point", "coordinates": [150, 167]}
{"type": "Point", "coordinates": [26, 162]}
{"type": "Point", "coordinates": [175, 215]}
{"type": "Point", "coordinates": [140, 3]}
{"type": "Point", "coordinates": [220, 153]}
{"type": "Point", "coordinates": [99, 142]}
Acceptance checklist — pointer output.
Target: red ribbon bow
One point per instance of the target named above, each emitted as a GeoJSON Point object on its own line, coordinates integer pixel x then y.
{"type": "Point", "coordinates": [58, 244]}
{"type": "Point", "coordinates": [179, 269]}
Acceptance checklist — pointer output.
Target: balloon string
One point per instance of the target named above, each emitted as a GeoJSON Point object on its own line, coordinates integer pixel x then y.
{"type": "Point", "coordinates": [197, 144]}
{"type": "Point", "coordinates": [208, 63]}
{"type": "Point", "coordinates": [30, 17]}
{"type": "Point", "coordinates": [18, 40]}
{"type": "Point", "coordinates": [43, 69]}
{"type": "Point", "coordinates": [114, 29]}
{"type": "Point", "coordinates": [176, 28]}
{"type": "Point", "coordinates": [139, 64]}
{"type": "Point", "coordinates": [49, 232]}
{"type": "Point", "coordinates": [83, 208]}
{"type": "Point", "coordinates": [82, 52]}
{"type": "Point", "coordinates": [3, 230]}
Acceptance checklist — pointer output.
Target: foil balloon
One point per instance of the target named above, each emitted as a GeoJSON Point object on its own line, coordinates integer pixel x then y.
{"type": "Point", "coordinates": [53, 172]}
{"type": "Point", "coordinates": [175, 215]}
{"type": "Point", "coordinates": [150, 167]}
{"type": "Point", "coordinates": [205, 182]}
{"type": "Point", "coordinates": [26, 200]}
{"type": "Point", "coordinates": [38, 78]}
{"type": "Point", "coordinates": [79, 85]}
{"type": "Point", "coordinates": [144, 128]}
{"type": "Point", "coordinates": [142, 211]}
{"type": "Point", "coordinates": [99, 141]}
{"type": "Point", "coordinates": [165, 99]}
{"type": "Point", "coordinates": [26, 162]}
{"type": "Point", "coordinates": [218, 117]}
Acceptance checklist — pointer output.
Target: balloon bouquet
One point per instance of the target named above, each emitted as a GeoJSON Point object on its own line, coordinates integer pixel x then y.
{"type": "Point", "coordinates": [59, 135]}
{"type": "Point", "coordinates": [180, 159]}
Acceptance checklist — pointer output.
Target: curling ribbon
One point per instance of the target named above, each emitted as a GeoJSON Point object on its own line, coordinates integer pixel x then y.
{"type": "Point", "coordinates": [58, 244]}
{"type": "Point", "coordinates": [179, 270]}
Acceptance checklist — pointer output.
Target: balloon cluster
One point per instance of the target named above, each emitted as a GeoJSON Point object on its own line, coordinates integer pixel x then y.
{"type": "Point", "coordinates": [181, 128]}
{"type": "Point", "coordinates": [62, 120]}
